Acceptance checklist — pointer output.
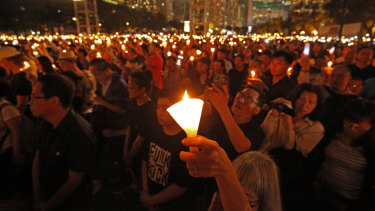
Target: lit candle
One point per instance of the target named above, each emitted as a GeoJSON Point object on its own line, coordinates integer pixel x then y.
{"type": "Point", "coordinates": [123, 47]}
{"type": "Point", "coordinates": [92, 47]}
{"type": "Point", "coordinates": [290, 70]}
{"type": "Point", "coordinates": [98, 55]}
{"type": "Point", "coordinates": [212, 50]}
{"type": "Point", "coordinates": [36, 53]}
{"type": "Point", "coordinates": [187, 114]}
{"type": "Point", "coordinates": [169, 53]}
{"type": "Point", "coordinates": [192, 58]}
{"type": "Point", "coordinates": [199, 52]}
{"type": "Point", "coordinates": [253, 74]}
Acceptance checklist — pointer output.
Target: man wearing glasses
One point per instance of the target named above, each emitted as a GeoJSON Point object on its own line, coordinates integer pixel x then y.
{"type": "Point", "coordinates": [242, 133]}
{"type": "Point", "coordinates": [65, 148]}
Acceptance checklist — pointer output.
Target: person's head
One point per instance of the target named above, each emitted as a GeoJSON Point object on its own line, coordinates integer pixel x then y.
{"type": "Point", "coordinates": [50, 94]}
{"type": "Point", "coordinates": [239, 62]}
{"type": "Point", "coordinates": [139, 85]}
{"type": "Point", "coordinates": [365, 54]}
{"type": "Point", "coordinates": [203, 65]}
{"type": "Point", "coordinates": [10, 59]}
{"type": "Point", "coordinates": [221, 54]}
{"type": "Point", "coordinates": [355, 85]}
{"type": "Point", "coordinates": [349, 56]}
{"type": "Point", "coordinates": [67, 61]}
{"type": "Point", "coordinates": [355, 119]}
{"type": "Point", "coordinates": [265, 57]}
{"type": "Point", "coordinates": [170, 63]}
{"type": "Point", "coordinates": [248, 102]}
{"type": "Point", "coordinates": [219, 66]}
{"type": "Point", "coordinates": [340, 78]}
{"type": "Point", "coordinates": [306, 100]}
{"type": "Point", "coordinates": [44, 64]}
{"type": "Point", "coordinates": [100, 69]}
{"type": "Point", "coordinates": [258, 175]}
{"type": "Point", "coordinates": [248, 53]}
{"type": "Point", "coordinates": [82, 53]}
{"type": "Point", "coordinates": [257, 66]}
{"type": "Point", "coordinates": [167, 97]}
{"type": "Point", "coordinates": [280, 63]}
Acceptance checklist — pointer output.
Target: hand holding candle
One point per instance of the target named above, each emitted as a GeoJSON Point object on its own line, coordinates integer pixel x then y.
{"type": "Point", "coordinates": [187, 113]}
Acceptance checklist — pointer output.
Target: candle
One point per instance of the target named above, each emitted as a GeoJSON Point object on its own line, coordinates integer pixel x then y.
{"type": "Point", "coordinates": [290, 70]}
{"type": "Point", "coordinates": [192, 58]}
{"type": "Point", "coordinates": [92, 47]}
{"type": "Point", "coordinates": [253, 74]}
{"type": "Point", "coordinates": [98, 55]}
{"type": "Point", "coordinates": [212, 50]}
{"type": "Point", "coordinates": [187, 114]}
{"type": "Point", "coordinates": [123, 47]}
{"type": "Point", "coordinates": [169, 53]}
{"type": "Point", "coordinates": [199, 52]}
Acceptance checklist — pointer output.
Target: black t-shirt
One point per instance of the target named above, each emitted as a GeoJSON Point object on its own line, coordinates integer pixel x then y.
{"type": "Point", "coordinates": [281, 89]}
{"type": "Point", "coordinates": [19, 85]}
{"type": "Point", "coordinates": [212, 127]}
{"type": "Point", "coordinates": [141, 117]}
{"type": "Point", "coordinates": [236, 80]}
{"type": "Point", "coordinates": [365, 73]}
{"type": "Point", "coordinates": [70, 146]}
{"type": "Point", "coordinates": [164, 166]}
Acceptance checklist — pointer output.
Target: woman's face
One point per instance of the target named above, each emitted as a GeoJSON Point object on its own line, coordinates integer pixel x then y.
{"type": "Point", "coordinates": [134, 90]}
{"type": "Point", "coordinates": [306, 103]}
{"type": "Point", "coordinates": [356, 130]}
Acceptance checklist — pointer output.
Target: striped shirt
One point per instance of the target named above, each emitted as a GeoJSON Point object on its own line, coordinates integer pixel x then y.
{"type": "Point", "coordinates": [343, 170]}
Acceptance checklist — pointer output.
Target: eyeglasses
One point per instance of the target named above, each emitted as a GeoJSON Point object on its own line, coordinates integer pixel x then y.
{"type": "Point", "coordinates": [245, 99]}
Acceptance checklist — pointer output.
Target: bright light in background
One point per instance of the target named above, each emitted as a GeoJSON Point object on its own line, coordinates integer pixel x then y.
{"type": "Point", "coordinates": [187, 26]}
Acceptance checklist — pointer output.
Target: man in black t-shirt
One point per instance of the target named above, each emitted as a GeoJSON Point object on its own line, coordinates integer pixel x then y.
{"type": "Point", "coordinates": [65, 151]}
{"type": "Point", "coordinates": [237, 75]}
{"type": "Point", "coordinates": [237, 132]}
{"type": "Point", "coordinates": [165, 179]}
{"type": "Point", "coordinates": [363, 68]}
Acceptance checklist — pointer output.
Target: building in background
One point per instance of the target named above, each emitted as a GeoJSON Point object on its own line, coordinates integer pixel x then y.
{"type": "Point", "coordinates": [116, 2]}
{"type": "Point", "coordinates": [86, 16]}
{"type": "Point", "coordinates": [263, 11]}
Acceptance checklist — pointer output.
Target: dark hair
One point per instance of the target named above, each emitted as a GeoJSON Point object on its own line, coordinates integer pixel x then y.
{"type": "Point", "coordinates": [261, 95]}
{"type": "Point", "coordinates": [267, 53]}
{"type": "Point", "coordinates": [205, 61]}
{"type": "Point", "coordinates": [59, 86]}
{"type": "Point", "coordinates": [361, 47]}
{"type": "Point", "coordinates": [145, 48]}
{"type": "Point", "coordinates": [99, 63]}
{"type": "Point", "coordinates": [221, 62]}
{"type": "Point", "coordinates": [46, 64]}
{"type": "Point", "coordinates": [174, 95]}
{"type": "Point", "coordinates": [142, 80]}
{"type": "Point", "coordinates": [82, 50]}
{"type": "Point", "coordinates": [4, 88]}
{"type": "Point", "coordinates": [286, 56]}
{"type": "Point", "coordinates": [240, 56]}
{"type": "Point", "coordinates": [296, 93]}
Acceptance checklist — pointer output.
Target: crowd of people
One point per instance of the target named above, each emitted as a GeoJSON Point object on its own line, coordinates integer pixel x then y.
{"type": "Point", "coordinates": [285, 125]}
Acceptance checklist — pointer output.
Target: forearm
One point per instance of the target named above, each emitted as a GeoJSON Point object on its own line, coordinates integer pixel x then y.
{"type": "Point", "coordinates": [171, 192]}
{"type": "Point", "coordinates": [238, 139]}
{"type": "Point", "coordinates": [112, 107]}
{"type": "Point", "coordinates": [64, 192]}
{"type": "Point", "coordinates": [144, 176]}
{"type": "Point", "coordinates": [232, 195]}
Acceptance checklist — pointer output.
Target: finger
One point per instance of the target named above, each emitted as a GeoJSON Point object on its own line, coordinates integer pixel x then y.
{"type": "Point", "coordinates": [201, 142]}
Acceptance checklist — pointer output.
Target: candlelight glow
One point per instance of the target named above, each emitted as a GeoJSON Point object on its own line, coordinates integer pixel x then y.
{"type": "Point", "coordinates": [199, 52]}
{"type": "Point", "coordinates": [187, 114]}
{"type": "Point", "coordinates": [253, 74]}
{"type": "Point", "coordinates": [92, 47]}
{"type": "Point", "coordinates": [290, 70]}
{"type": "Point", "coordinates": [330, 64]}
{"type": "Point", "coordinates": [212, 50]}
{"type": "Point", "coordinates": [192, 58]}
{"type": "Point", "coordinates": [98, 55]}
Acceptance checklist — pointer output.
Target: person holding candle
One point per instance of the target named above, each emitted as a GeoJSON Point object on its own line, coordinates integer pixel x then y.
{"type": "Point", "coordinates": [165, 180]}
{"type": "Point", "coordinates": [251, 183]}
{"type": "Point", "coordinates": [237, 132]}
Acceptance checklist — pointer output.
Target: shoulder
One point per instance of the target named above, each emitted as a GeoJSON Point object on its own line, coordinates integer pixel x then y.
{"type": "Point", "coordinates": [8, 110]}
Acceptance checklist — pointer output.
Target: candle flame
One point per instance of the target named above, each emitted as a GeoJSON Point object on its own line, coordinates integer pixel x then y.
{"type": "Point", "coordinates": [186, 96]}
{"type": "Point", "coordinates": [252, 74]}
{"type": "Point", "coordinates": [212, 50]}
{"type": "Point", "coordinates": [330, 64]}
